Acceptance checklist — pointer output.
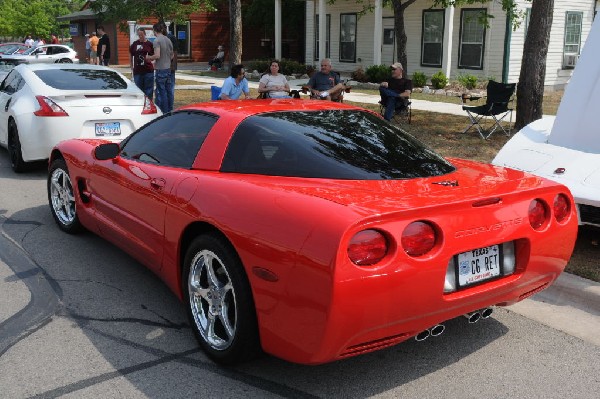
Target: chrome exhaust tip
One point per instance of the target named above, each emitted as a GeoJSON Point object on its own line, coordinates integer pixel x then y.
{"type": "Point", "coordinates": [473, 317]}
{"type": "Point", "coordinates": [437, 330]}
{"type": "Point", "coordinates": [486, 313]}
{"type": "Point", "coordinates": [422, 336]}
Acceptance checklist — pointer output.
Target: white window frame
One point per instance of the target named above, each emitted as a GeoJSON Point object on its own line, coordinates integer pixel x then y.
{"type": "Point", "coordinates": [470, 19]}
{"type": "Point", "coordinates": [572, 40]}
{"type": "Point", "coordinates": [351, 40]}
{"type": "Point", "coordinates": [440, 41]}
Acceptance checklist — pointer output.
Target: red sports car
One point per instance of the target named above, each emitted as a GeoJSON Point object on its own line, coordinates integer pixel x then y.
{"type": "Point", "coordinates": [313, 230]}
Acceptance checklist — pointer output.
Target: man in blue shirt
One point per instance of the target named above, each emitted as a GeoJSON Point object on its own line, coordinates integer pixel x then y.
{"type": "Point", "coordinates": [325, 84]}
{"type": "Point", "coordinates": [235, 84]}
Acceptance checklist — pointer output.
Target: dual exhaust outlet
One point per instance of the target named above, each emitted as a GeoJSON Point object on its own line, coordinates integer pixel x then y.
{"type": "Point", "coordinates": [438, 329]}
{"type": "Point", "coordinates": [477, 315]}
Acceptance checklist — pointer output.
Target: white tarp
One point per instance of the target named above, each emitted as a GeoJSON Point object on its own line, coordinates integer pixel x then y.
{"type": "Point", "coordinates": [577, 124]}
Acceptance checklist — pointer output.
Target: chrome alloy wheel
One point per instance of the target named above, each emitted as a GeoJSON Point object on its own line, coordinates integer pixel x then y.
{"type": "Point", "coordinates": [212, 300]}
{"type": "Point", "coordinates": [61, 196]}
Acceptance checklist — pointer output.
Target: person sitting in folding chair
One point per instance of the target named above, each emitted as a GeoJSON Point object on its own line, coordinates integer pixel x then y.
{"type": "Point", "coordinates": [274, 84]}
{"type": "Point", "coordinates": [395, 92]}
{"type": "Point", "coordinates": [499, 95]}
{"type": "Point", "coordinates": [326, 84]}
{"type": "Point", "coordinates": [218, 59]}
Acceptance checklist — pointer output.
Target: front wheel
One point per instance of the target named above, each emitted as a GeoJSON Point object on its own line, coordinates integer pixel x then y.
{"type": "Point", "coordinates": [61, 198]}
{"type": "Point", "coordinates": [220, 304]}
{"type": "Point", "coordinates": [65, 61]}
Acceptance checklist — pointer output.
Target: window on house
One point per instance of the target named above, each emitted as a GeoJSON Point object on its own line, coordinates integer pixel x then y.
{"type": "Point", "coordinates": [327, 36]}
{"type": "Point", "coordinates": [432, 38]}
{"type": "Point", "coordinates": [526, 20]}
{"type": "Point", "coordinates": [572, 47]}
{"type": "Point", "coordinates": [348, 37]}
{"type": "Point", "coordinates": [472, 39]}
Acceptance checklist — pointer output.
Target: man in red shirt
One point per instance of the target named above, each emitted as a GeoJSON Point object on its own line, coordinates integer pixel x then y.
{"type": "Point", "coordinates": [143, 70]}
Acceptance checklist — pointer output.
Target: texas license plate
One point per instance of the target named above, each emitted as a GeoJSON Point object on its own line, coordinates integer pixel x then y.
{"type": "Point", "coordinates": [108, 129]}
{"type": "Point", "coordinates": [479, 265]}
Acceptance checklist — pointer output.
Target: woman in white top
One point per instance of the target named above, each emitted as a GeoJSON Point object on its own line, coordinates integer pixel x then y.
{"type": "Point", "coordinates": [274, 83]}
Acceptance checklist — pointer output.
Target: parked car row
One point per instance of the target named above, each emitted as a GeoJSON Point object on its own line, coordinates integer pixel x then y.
{"type": "Point", "coordinates": [47, 53]}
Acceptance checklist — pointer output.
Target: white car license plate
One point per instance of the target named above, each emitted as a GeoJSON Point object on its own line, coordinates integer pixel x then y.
{"type": "Point", "coordinates": [479, 265]}
{"type": "Point", "coordinates": [108, 129]}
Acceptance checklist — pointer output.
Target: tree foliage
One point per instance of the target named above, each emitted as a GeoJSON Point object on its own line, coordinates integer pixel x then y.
{"type": "Point", "coordinates": [35, 17]}
{"type": "Point", "coordinates": [119, 10]}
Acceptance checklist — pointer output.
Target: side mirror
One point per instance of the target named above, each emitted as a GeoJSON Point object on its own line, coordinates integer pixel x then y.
{"type": "Point", "coordinates": [106, 151]}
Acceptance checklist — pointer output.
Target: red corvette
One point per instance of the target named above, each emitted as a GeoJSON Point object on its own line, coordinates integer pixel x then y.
{"type": "Point", "coordinates": [312, 230]}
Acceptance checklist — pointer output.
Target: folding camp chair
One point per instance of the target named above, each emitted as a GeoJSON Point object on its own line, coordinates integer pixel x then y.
{"type": "Point", "coordinates": [402, 113]}
{"type": "Point", "coordinates": [499, 95]}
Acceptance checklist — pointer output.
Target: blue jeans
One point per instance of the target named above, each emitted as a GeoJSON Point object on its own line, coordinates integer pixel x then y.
{"type": "Point", "coordinates": [145, 82]}
{"type": "Point", "coordinates": [391, 101]}
{"type": "Point", "coordinates": [164, 95]}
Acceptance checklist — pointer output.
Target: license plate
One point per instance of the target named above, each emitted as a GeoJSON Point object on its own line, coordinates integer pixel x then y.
{"type": "Point", "coordinates": [479, 265]}
{"type": "Point", "coordinates": [108, 129]}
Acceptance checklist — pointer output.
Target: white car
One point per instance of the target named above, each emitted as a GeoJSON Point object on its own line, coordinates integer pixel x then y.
{"type": "Point", "coordinates": [43, 104]}
{"type": "Point", "coordinates": [566, 148]}
{"type": "Point", "coordinates": [47, 53]}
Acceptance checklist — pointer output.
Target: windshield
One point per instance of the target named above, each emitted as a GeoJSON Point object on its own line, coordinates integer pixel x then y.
{"type": "Point", "coordinates": [336, 144]}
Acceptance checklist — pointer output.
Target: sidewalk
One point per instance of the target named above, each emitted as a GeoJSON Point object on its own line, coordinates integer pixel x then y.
{"type": "Point", "coordinates": [204, 83]}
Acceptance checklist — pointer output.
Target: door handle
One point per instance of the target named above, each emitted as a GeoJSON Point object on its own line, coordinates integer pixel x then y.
{"type": "Point", "coordinates": [157, 184]}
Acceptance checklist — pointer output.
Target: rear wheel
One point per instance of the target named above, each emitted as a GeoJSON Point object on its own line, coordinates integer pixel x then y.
{"type": "Point", "coordinates": [65, 61]}
{"type": "Point", "coordinates": [220, 304]}
{"type": "Point", "coordinates": [14, 149]}
{"type": "Point", "coordinates": [61, 198]}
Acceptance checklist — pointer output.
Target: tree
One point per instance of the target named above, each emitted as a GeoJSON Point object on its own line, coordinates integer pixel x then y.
{"type": "Point", "coordinates": [235, 32]}
{"type": "Point", "coordinates": [119, 10]}
{"type": "Point", "coordinates": [35, 17]}
{"type": "Point", "coordinates": [530, 88]}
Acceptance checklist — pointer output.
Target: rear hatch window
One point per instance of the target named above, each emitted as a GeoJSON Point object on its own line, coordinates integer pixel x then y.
{"type": "Point", "coordinates": [82, 79]}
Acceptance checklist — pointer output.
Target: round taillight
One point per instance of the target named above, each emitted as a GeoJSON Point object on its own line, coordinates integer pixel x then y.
{"type": "Point", "coordinates": [367, 247]}
{"type": "Point", "coordinates": [418, 238]}
{"type": "Point", "coordinates": [562, 208]}
{"type": "Point", "coordinates": [538, 214]}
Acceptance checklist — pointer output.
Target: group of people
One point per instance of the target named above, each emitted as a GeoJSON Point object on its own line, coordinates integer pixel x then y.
{"type": "Point", "coordinates": [154, 64]}
{"type": "Point", "coordinates": [97, 47]}
{"type": "Point", "coordinates": [39, 41]}
{"type": "Point", "coordinates": [324, 85]}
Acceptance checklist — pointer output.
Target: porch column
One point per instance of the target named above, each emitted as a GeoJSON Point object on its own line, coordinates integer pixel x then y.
{"type": "Point", "coordinates": [377, 35]}
{"type": "Point", "coordinates": [448, 30]}
{"type": "Point", "coordinates": [278, 29]}
{"type": "Point", "coordinates": [132, 33]}
{"type": "Point", "coordinates": [322, 29]}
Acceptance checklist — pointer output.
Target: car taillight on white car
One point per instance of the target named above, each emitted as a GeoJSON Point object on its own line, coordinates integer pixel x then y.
{"type": "Point", "coordinates": [49, 107]}
{"type": "Point", "coordinates": [149, 107]}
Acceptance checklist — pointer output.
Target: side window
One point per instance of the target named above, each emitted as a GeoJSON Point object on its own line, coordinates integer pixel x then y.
{"type": "Point", "coordinates": [572, 46]}
{"type": "Point", "coordinates": [173, 140]}
{"type": "Point", "coordinates": [12, 83]}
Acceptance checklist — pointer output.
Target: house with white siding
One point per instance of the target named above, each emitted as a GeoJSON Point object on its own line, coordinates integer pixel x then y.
{"type": "Point", "coordinates": [450, 40]}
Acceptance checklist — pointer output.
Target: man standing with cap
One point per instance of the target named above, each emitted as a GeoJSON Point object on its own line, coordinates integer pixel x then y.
{"type": "Point", "coordinates": [395, 91]}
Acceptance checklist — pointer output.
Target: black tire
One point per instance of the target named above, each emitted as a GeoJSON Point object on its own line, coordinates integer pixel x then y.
{"type": "Point", "coordinates": [61, 198]}
{"type": "Point", "coordinates": [220, 309]}
{"type": "Point", "coordinates": [65, 61]}
{"type": "Point", "coordinates": [14, 149]}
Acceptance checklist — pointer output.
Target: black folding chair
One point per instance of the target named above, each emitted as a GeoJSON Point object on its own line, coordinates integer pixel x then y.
{"type": "Point", "coordinates": [499, 95]}
{"type": "Point", "coordinates": [402, 113]}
